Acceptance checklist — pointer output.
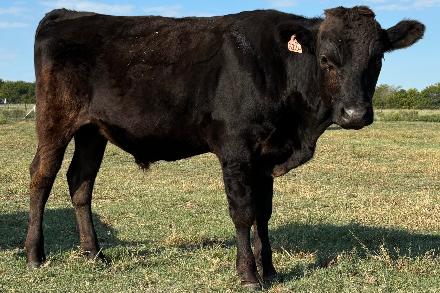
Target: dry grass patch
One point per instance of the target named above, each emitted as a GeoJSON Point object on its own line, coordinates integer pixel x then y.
{"type": "Point", "coordinates": [363, 215]}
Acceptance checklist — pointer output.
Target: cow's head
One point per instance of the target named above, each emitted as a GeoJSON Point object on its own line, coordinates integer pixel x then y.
{"type": "Point", "coordinates": [349, 46]}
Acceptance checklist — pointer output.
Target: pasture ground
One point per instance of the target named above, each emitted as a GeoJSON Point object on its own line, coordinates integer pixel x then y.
{"type": "Point", "coordinates": [362, 216]}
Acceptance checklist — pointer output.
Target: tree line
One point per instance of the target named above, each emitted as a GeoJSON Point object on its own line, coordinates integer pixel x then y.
{"type": "Point", "coordinates": [391, 97]}
{"type": "Point", "coordinates": [385, 97]}
{"type": "Point", "coordinates": [17, 92]}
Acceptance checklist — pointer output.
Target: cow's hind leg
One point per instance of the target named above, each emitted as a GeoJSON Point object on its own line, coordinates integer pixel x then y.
{"type": "Point", "coordinates": [43, 170]}
{"type": "Point", "coordinates": [89, 150]}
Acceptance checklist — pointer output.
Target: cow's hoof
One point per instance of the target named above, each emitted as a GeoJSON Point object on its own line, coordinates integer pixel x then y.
{"type": "Point", "coordinates": [96, 257]}
{"type": "Point", "coordinates": [34, 264]}
{"type": "Point", "coordinates": [273, 278]}
{"type": "Point", "coordinates": [103, 259]}
{"type": "Point", "coordinates": [35, 260]}
{"type": "Point", "coordinates": [270, 275]}
{"type": "Point", "coordinates": [252, 287]}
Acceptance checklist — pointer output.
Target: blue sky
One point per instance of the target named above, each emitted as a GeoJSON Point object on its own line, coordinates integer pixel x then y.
{"type": "Point", "coordinates": [417, 66]}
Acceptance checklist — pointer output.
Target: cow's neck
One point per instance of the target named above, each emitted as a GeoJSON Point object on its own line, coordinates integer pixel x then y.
{"type": "Point", "coordinates": [308, 117]}
{"type": "Point", "coordinates": [308, 127]}
{"type": "Point", "coordinates": [314, 120]}
{"type": "Point", "coordinates": [303, 89]}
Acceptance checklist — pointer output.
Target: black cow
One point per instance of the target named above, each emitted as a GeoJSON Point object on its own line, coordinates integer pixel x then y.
{"type": "Point", "coordinates": [166, 89]}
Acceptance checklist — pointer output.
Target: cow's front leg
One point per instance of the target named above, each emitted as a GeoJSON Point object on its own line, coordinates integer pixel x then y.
{"type": "Point", "coordinates": [237, 175]}
{"type": "Point", "coordinates": [262, 249]}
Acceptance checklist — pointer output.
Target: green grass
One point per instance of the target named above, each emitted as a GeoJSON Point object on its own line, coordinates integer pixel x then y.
{"type": "Point", "coordinates": [363, 215]}
{"type": "Point", "coordinates": [14, 112]}
{"type": "Point", "coordinates": [407, 115]}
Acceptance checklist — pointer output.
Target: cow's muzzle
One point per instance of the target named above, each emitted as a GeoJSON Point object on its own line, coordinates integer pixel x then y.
{"type": "Point", "coordinates": [355, 117]}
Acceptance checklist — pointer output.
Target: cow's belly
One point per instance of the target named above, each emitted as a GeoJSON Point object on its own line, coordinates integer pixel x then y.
{"type": "Point", "coordinates": [149, 142]}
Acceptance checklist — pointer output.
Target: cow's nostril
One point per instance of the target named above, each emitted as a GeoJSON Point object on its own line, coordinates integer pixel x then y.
{"type": "Point", "coordinates": [357, 115]}
{"type": "Point", "coordinates": [347, 113]}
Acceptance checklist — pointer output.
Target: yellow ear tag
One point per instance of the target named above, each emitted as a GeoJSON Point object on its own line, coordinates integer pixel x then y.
{"type": "Point", "coordinates": [294, 46]}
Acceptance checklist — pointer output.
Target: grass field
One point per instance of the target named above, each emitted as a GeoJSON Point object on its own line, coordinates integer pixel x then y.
{"type": "Point", "coordinates": [407, 115]}
{"type": "Point", "coordinates": [11, 113]}
{"type": "Point", "coordinates": [362, 216]}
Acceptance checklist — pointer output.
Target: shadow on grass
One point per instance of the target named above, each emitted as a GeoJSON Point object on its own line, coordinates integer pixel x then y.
{"type": "Point", "coordinates": [60, 232]}
{"type": "Point", "coordinates": [207, 244]}
{"type": "Point", "coordinates": [328, 241]}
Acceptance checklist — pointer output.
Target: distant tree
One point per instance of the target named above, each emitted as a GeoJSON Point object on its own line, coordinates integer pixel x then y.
{"type": "Point", "coordinates": [403, 99]}
{"type": "Point", "coordinates": [392, 97]}
{"type": "Point", "coordinates": [383, 96]}
{"type": "Point", "coordinates": [17, 92]}
{"type": "Point", "coordinates": [413, 100]}
{"type": "Point", "coordinates": [431, 96]}
{"type": "Point", "coordinates": [399, 99]}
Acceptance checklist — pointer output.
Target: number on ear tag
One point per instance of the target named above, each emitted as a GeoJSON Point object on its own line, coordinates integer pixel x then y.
{"type": "Point", "coordinates": [294, 45]}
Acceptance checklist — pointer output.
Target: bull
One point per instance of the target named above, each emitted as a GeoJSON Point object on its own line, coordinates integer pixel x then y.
{"type": "Point", "coordinates": [256, 88]}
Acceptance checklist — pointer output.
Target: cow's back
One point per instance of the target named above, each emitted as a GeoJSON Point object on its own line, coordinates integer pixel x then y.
{"type": "Point", "coordinates": [136, 77]}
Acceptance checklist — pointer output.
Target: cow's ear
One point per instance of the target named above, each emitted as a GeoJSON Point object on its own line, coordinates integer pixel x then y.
{"type": "Point", "coordinates": [404, 34]}
{"type": "Point", "coordinates": [304, 36]}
